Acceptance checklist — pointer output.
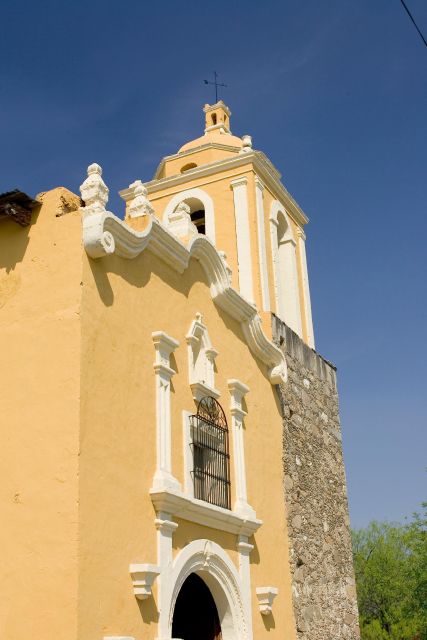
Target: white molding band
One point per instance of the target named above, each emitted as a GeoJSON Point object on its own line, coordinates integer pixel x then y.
{"type": "Point", "coordinates": [205, 199]}
{"type": "Point", "coordinates": [237, 392]}
{"type": "Point", "coordinates": [185, 507]}
{"type": "Point", "coordinates": [105, 234]}
{"type": "Point", "coordinates": [244, 254]}
{"type": "Point", "coordinates": [260, 163]}
{"type": "Point", "coordinates": [305, 288]}
{"type": "Point", "coordinates": [262, 252]}
{"type": "Point", "coordinates": [164, 346]}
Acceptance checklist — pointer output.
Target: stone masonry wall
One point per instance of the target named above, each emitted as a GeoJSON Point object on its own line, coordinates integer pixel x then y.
{"type": "Point", "coordinates": [323, 586]}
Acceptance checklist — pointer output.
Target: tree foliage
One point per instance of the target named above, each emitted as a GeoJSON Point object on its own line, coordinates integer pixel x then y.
{"type": "Point", "coordinates": [390, 562]}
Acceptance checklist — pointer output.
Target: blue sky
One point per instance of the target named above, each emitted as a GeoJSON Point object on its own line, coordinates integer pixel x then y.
{"type": "Point", "coordinates": [335, 92]}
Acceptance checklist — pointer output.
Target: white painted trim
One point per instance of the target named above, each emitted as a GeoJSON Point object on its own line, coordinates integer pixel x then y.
{"type": "Point", "coordinates": [214, 566]}
{"type": "Point", "coordinates": [238, 390]}
{"type": "Point", "coordinates": [288, 306]}
{"type": "Point", "coordinates": [244, 253]}
{"type": "Point", "coordinates": [306, 288]}
{"type": "Point", "coordinates": [209, 515]}
{"type": "Point", "coordinates": [262, 252]}
{"type": "Point", "coordinates": [164, 346]}
{"type": "Point", "coordinates": [105, 234]}
{"type": "Point", "coordinates": [204, 198]}
{"type": "Point", "coordinates": [187, 455]}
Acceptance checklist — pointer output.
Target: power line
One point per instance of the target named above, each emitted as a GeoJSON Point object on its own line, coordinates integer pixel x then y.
{"type": "Point", "coordinates": [415, 24]}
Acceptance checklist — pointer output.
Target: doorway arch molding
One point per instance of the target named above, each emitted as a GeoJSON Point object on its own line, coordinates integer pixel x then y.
{"type": "Point", "coordinates": [205, 199]}
{"type": "Point", "coordinates": [210, 562]}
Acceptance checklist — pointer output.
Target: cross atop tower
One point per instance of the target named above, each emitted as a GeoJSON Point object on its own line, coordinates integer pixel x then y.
{"type": "Point", "coordinates": [216, 83]}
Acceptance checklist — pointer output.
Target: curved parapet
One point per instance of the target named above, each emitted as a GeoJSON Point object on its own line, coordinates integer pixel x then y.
{"type": "Point", "coordinates": [105, 234]}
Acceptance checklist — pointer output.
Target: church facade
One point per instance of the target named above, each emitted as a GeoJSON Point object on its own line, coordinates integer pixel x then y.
{"type": "Point", "coordinates": [173, 459]}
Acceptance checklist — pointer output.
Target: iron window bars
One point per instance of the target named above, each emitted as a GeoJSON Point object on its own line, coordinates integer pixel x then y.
{"type": "Point", "coordinates": [211, 457]}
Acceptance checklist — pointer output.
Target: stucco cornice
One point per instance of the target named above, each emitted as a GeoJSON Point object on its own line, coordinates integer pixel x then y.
{"type": "Point", "coordinates": [260, 164]}
{"type": "Point", "coordinates": [105, 234]}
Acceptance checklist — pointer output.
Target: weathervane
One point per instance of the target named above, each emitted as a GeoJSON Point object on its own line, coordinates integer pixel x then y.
{"type": "Point", "coordinates": [216, 83]}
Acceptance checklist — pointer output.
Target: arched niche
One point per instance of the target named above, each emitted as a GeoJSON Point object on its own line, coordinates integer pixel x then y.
{"type": "Point", "coordinates": [198, 200]}
{"type": "Point", "coordinates": [285, 270]}
{"type": "Point", "coordinates": [212, 564]}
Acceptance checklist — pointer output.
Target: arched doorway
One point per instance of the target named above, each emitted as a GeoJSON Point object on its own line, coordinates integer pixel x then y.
{"type": "Point", "coordinates": [195, 615]}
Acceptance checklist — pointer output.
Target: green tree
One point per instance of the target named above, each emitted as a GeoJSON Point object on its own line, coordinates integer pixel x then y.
{"type": "Point", "coordinates": [390, 562]}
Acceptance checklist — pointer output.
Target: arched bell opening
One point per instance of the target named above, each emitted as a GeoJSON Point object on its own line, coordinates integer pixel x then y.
{"type": "Point", "coordinates": [197, 214]}
{"type": "Point", "coordinates": [195, 615]}
{"type": "Point", "coordinates": [201, 210]}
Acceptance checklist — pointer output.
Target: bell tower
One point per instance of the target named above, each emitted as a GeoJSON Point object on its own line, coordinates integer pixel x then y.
{"type": "Point", "coordinates": [219, 185]}
{"type": "Point", "coordinates": [217, 117]}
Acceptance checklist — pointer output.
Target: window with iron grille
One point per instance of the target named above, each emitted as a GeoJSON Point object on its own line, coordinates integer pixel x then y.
{"type": "Point", "coordinates": [211, 457]}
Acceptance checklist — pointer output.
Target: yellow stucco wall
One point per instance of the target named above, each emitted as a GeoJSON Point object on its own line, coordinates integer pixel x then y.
{"type": "Point", "coordinates": [80, 426]}
{"type": "Point", "coordinates": [174, 165]}
{"type": "Point", "coordinates": [40, 275]}
{"type": "Point", "coordinates": [123, 303]}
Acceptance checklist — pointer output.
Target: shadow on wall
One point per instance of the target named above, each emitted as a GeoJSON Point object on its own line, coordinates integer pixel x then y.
{"type": "Point", "coordinates": [138, 271]}
{"type": "Point", "coordinates": [149, 610]}
{"type": "Point", "coordinates": [14, 241]}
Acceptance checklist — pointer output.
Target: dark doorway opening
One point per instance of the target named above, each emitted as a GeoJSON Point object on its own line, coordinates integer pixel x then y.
{"type": "Point", "coordinates": [195, 616]}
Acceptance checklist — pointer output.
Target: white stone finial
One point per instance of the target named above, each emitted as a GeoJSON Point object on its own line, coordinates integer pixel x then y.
{"type": "Point", "coordinates": [141, 206]}
{"type": "Point", "coordinates": [247, 144]}
{"type": "Point", "coordinates": [94, 191]}
{"type": "Point", "coordinates": [180, 223]}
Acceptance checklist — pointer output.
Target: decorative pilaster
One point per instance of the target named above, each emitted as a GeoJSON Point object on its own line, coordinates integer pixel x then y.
{"type": "Point", "coordinates": [305, 287]}
{"type": "Point", "coordinates": [244, 255]}
{"type": "Point", "coordinates": [237, 392]}
{"type": "Point", "coordinates": [262, 252]}
{"type": "Point", "coordinates": [244, 548]}
{"type": "Point", "coordinates": [165, 530]}
{"type": "Point", "coordinates": [164, 345]}
{"type": "Point", "coordinates": [289, 276]}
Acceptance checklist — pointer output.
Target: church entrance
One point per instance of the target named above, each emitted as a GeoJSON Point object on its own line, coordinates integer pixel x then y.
{"type": "Point", "coordinates": [195, 616]}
